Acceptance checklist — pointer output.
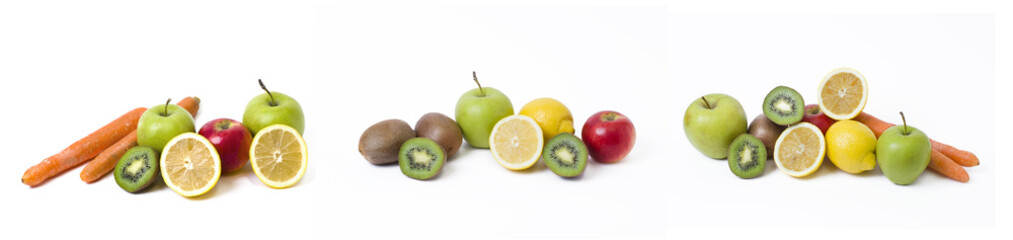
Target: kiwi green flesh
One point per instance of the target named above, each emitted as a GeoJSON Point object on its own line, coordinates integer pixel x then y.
{"type": "Point", "coordinates": [784, 106]}
{"type": "Point", "coordinates": [421, 158]}
{"type": "Point", "coordinates": [565, 155]}
{"type": "Point", "coordinates": [137, 168]}
{"type": "Point", "coordinates": [747, 156]}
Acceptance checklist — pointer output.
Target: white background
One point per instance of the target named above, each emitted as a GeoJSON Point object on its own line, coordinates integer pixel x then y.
{"type": "Point", "coordinates": [72, 68]}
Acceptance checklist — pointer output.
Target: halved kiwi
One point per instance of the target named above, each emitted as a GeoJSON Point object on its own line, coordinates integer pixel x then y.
{"type": "Point", "coordinates": [747, 156]}
{"type": "Point", "coordinates": [137, 168]}
{"type": "Point", "coordinates": [421, 158]}
{"type": "Point", "coordinates": [565, 155]}
{"type": "Point", "coordinates": [784, 106]}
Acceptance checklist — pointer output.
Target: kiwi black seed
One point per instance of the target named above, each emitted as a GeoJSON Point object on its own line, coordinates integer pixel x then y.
{"type": "Point", "coordinates": [441, 129]}
{"type": "Point", "coordinates": [421, 158]}
{"type": "Point", "coordinates": [747, 156]}
{"type": "Point", "coordinates": [784, 106]}
{"type": "Point", "coordinates": [565, 155]}
{"type": "Point", "coordinates": [137, 168]}
{"type": "Point", "coordinates": [379, 143]}
{"type": "Point", "coordinates": [765, 130]}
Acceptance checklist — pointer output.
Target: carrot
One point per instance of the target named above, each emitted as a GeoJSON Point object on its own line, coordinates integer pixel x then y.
{"type": "Point", "coordinates": [84, 149]}
{"type": "Point", "coordinates": [942, 164]}
{"type": "Point", "coordinates": [964, 158]}
{"type": "Point", "coordinates": [107, 160]}
{"type": "Point", "coordinates": [191, 104]}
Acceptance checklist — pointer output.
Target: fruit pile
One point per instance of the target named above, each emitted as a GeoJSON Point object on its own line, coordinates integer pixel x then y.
{"type": "Point", "coordinates": [485, 118]}
{"type": "Point", "coordinates": [799, 137]}
{"type": "Point", "coordinates": [161, 140]}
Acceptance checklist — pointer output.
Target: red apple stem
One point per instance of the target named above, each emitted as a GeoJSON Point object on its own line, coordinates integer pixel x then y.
{"type": "Point", "coordinates": [273, 103]}
{"type": "Point", "coordinates": [705, 103]}
{"type": "Point", "coordinates": [906, 132]}
{"type": "Point", "coordinates": [475, 76]}
{"type": "Point", "coordinates": [165, 110]}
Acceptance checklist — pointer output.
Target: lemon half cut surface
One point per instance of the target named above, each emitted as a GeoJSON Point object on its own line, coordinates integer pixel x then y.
{"type": "Point", "coordinates": [278, 156]}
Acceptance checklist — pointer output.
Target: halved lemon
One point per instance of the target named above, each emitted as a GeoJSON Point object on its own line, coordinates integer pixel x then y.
{"type": "Point", "coordinates": [190, 165]}
{"type": "Point", "coordinates": [278, 156]}
{"type": "Point", "coordinates": [516, 142]}
{"type": "Point", "coordinates": [843, 93]}
{"type": "Point", "coordinates": [800, 150]}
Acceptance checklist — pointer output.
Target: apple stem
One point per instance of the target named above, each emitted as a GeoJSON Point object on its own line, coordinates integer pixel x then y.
{"type": "Point", "coordinates": [273, 103]}
{"type": "Point", "coordinates": [904, 120]}
{"type": "Point", "coordinates": [480, 91]}
{"type": "Point", "coordinates": [705, 103]}
{"type": "Point", "coordinates": [165, 110]}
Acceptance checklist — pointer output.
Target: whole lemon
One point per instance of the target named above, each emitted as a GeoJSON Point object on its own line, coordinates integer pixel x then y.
{"type": "Point", "coordinates": [851, 146]}
{"type": "Point", "coordinates": [551, 115]}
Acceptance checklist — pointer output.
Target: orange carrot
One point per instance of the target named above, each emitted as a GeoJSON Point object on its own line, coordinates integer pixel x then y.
{"type": "Point", "coordinates": [964, 158]}
{"type": "Point", "coordinates": [942, 164]}
{"type": "Point", "coordinates": [106, 161]}
{"type": "Point", "coordinates": [191, 104]}
{"type": "Point", "coordinates": [84, 149]}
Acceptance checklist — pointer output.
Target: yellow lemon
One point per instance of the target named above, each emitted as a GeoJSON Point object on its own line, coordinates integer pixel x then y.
{"type": "Point", "coordinates": [843, 93]}
{"type": "Point", "coordinates": [551, 115]}
{"type": "Point", "coordinates": [516, 142]}
{"type": "Point", "coordinates": [190, 165]}
{"type": "Point", "coordinates": [800, 149]}
{"type": "Point", "coordinates": [851, 146]}
{"type": "Point", "coordinates": [278, 156]}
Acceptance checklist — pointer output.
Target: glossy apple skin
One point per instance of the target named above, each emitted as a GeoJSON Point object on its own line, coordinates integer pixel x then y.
{"type": "Point", "coordinates": [159, 124]}
{"type": "Point", "coordinates": [260, 112]}
{"type": "Point", "coordinates": [232, 141]}
{"type": "Point", "coordinates": [609, 136]}
{"type": "Point", "coordinates": [814, 115]}
{"type": "Point", "coordinates": [903, 153]}
{"type": "Point", "coordinates": [477, 114]}
{"type": "Point", "coordinates": [712, 129]}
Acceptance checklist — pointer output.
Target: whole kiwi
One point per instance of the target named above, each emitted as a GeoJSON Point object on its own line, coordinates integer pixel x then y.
{"type": "Point", "coordinates": [380, 143]}
{"type": "Point", "coordinates": [767, 131]}
{"type": "Point", "coordinates": [441, 129]}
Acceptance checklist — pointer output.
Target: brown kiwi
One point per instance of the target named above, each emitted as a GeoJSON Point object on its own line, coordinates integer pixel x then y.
{"type": "Point", "coordinates": [380, 143]}
{"type": "Point", "coordinates": [767, 131]}
{"type": "Point", "coordinates": [441, 129]}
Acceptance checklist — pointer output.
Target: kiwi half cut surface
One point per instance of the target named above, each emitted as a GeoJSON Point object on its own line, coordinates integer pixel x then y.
{"type": "Point", "coordinates": [421, 158]}
{"type": "Point", "coordinates": [137, 168]}
{"type": "Point", "coordinates": [747, 156]}
{"type": "Point", "coordinates": [784, 106]}
{"type": "Point", "coordinates": [565, 155]}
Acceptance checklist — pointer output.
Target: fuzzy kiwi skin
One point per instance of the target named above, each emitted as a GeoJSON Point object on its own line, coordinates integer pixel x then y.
{"type": "Point", "coordinates": [127, 158]}
{"type": "Point", "coordinates": [441, 129]}
{"type": "Point", "coordinates": [735, 154]}
{"type": "Point", "coordinates": [765, 130]}
{"type": "Point", "coordinates": [380, 143]}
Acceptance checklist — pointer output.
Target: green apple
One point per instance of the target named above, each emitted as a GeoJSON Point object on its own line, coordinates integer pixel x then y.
{"type": "Point", "coordinates": [161, 123]}
{"type": "Point", "coordinates": [712, 122]}
{"type": "Point", "coordinates": [477, 112]}
{"type": "Point", "coordinates": [903, 153]}
{"type": "Point", "coordinates": [272, 108]}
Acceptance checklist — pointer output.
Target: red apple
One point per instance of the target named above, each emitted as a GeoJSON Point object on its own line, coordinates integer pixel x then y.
{"type": "Point", "coordinates": [609, 136]}
{"type": "Point", "coordinates": [232, 141]}
{"type": "Point", "coordinates": [814, 115]}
